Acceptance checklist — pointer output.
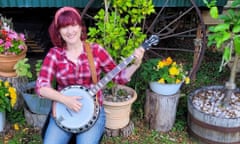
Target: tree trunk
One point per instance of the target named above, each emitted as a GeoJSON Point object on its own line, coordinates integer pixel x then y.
{"type": "Point", "coordinates": [160, 110]}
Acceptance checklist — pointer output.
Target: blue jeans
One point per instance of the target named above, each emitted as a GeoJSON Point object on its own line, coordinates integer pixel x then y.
{"type": "Point", "coordinates": [56, 135]}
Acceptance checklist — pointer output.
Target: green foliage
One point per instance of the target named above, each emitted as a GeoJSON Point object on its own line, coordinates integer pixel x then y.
{"type": "Point", "coordinates": [147, 70]}
{"type": "Point", "coordinates": [38, 66]}
{"type": "Point", "coordinates": [226, 34]}
{"type": "Point", "coordinates": [214, 10]}
{"type": "Point", "coordinates": [16, 116]}
{"type": "Point", "coordinates": [118, 27]}
{"type": "Point", "coordinates": [23, 68]}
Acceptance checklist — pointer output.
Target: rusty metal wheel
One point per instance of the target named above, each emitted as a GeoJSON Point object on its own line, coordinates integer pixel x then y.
{"type": "Point", "coordinates": [180, 28]}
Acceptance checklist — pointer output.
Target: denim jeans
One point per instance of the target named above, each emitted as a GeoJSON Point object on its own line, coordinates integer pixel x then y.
{"type": "Point", "coordinates": [56, 135]}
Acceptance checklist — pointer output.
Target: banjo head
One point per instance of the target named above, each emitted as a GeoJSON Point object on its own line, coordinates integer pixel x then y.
{"type": "Point", "coordinates": [82, 120]}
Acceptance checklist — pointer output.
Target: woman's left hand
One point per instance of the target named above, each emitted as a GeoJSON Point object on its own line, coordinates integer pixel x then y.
{"type": "Point", "coordinates": [138, 53]}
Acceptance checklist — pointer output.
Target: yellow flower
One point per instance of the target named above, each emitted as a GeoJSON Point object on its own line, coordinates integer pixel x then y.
{"type": "Point", "coordinates": [161, 80]}
{"type": "Point", "coordinates": [187, 80]}
{"type": "Point", "coordinates": [168, 61]}
{"type": "Point", "coordinates": [6, 84]}
{"type": "Point", "coordinates": [9, 92]}
{"type": "Point", "coordinates": [174, 71]}
{"type": "Point", "coordinates": [13, 96]}
{"type": "Point", "coordinates": [16, 126]}
{"type": "Point", "coordinates": [160, 65]}
{"type": "Point", "coordinates": [174, 64]}
{"type": "Point", "coordinates": [178, 81]}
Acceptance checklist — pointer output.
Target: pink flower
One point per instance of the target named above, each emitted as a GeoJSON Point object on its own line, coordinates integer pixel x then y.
{"type": "Point", "coordinates": [21, 47]}
{"type": "Point", "coordinates": [12, 35]}
{"type": "Point", "coordinates": [11, 42]}
{"type": "Point", "coordinates": [8, 44]}
{"type": "Point", "coordinates": [1, 41]}
{"type": "Point", "coordinates": [21, 37]}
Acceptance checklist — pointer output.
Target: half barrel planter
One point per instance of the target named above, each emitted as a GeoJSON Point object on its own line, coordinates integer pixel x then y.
{"type": "Point", "coordinates": [210, 129]}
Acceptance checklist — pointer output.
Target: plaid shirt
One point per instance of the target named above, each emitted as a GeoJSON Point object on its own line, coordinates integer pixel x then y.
{"type": "Point", "coordinates": [57, 65]}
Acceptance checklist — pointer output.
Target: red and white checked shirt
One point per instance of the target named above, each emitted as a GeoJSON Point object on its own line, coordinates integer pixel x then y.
{"type": "Point", "coordinates": [57, 65]}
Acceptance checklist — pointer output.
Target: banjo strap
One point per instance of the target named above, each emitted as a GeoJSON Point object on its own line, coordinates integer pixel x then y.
{"type": "Point", "coordinates": [92, 66]}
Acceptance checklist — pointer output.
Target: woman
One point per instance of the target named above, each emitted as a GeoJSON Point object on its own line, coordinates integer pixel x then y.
{"type": "Point", "coordinates": [67, 62]}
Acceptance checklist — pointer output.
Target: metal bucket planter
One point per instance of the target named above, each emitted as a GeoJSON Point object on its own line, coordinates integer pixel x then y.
{"type": "Point", "coordinates": [2, 121]}
{"type": "Point", "coordinates": [34, 103]}
{"type": "Point", "coordinates": [208, 128]}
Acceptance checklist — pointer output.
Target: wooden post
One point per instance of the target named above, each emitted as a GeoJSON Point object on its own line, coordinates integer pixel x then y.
{"type": "Point", "coordinates": [35, 120]}
{"type": "Point", "coordinates": [124, 132]}
{"type": "Point", "coordinates": [160, 110]}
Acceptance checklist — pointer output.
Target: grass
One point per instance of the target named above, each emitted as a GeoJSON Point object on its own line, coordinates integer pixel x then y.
{"type": "Point", "coordinates": [208, 74]}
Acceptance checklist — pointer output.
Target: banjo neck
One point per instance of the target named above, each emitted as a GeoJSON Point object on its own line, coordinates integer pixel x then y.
{"type": "Point", "coordinates": [153, 40]}
{"type": "Point", "coordinates": [109, 76]}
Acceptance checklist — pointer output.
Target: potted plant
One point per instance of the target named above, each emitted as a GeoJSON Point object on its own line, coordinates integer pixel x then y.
{"type": "Point", "coordinates": [12, 47]}
{"type": "Point", "coordinates": [164, 76]}
{"type": "Point", "coordinates": [8, 98]}
{"type": "Point", "coordinates": [118, 29]}
{"type": "Point", "coordinates": [216, 106]}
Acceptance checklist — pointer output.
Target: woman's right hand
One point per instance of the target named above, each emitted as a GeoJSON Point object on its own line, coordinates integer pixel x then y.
{"type": "Point", "coordinates": [73, 102]}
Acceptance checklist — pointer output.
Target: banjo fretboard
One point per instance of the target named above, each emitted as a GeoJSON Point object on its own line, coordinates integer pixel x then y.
{"type": "Point", "coordinates": [153, 40]}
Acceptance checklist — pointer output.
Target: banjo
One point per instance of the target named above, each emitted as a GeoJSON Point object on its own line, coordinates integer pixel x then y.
{"type": "Point", "coordinates": [85, 118]}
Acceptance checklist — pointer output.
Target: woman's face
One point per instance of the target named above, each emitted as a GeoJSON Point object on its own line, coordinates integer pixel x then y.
{"type": "Point", "coordinates": [71, 34]}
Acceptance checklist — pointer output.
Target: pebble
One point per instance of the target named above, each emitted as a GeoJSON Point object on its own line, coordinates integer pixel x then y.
{"type": "Point", "coordinates": [210, 103]}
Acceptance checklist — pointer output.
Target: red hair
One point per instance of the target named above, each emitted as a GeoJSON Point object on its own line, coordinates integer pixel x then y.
{"type": "Point", "coordinates": [65, 16]}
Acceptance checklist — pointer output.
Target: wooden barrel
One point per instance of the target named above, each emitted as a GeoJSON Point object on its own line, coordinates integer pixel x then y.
{"type": "Point", "coordinates": [211, 129]}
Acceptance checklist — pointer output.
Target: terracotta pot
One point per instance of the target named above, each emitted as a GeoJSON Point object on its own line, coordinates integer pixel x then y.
{"type": "Point", "coordinates": [118, 113]}
{"type": "Point", "coordinates": [7, 63]}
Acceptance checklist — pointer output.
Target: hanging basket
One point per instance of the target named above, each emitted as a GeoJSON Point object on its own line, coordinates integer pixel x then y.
{"type": "Point", "coordinates": [7, 63]}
